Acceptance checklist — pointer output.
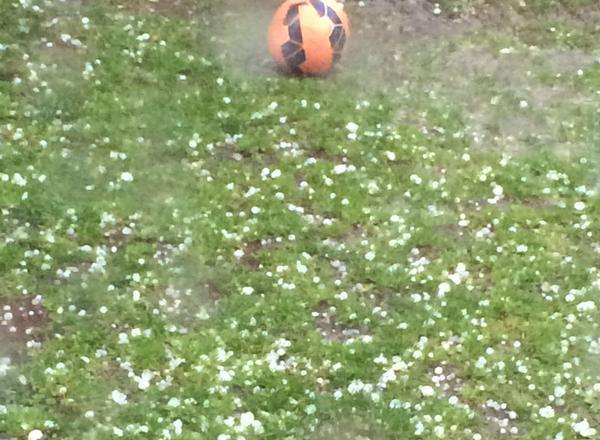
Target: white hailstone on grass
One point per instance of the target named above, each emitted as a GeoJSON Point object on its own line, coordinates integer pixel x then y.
{"type": "Point", "coordinates": [522, 248]}
{"type": "Point", "coordinates": [559, 391]}
{"type": "Point", "coordinates": [427, 391]}
{"type": "Point", "coordinates": [178, 427]}
{"type": "Point", "coordinates": [246, 420]}
{"type": "Point", "coordinates": [301, 268]}
{"type": "Point", "coordinates": [586, 306]}
{"type": "Point", "coordinates": [584, 429]}
{"type": "Point", "coordinates": [395, 404]}
{"type": "Point", "coordinates": [546, 412]}
{"type": "Point", "coordinates": [225, 376]}
{"type": "Point", "coordinates": [370, 256]}
{"type": "Point", "coordinates": [439, 431]}
{"type": "Point", "coordinates": [4, 365]}
{"type": "Point", "coordinates": [579, 206]}
{"type": "Point", "coordinates": [310, 409]}
{"type": "Point", "coordinates": [144, 380]}
{"type": "Point", "coordinates": [388, 376]}
{"type": "Point", "coordinates": [415, 179]}
{"type": "Point", "coordinates": [36, 434]}
{"type": "Point", "coordinates": [443, 289]}
{"type": "Point", "coordinates": [19, 180]}
{"type": "Point", "coordinates": [356, 386]}
{"type": "Point", "coordinates": [275, 174]}
{"type": "Point", "coordinates": [238, 253]}
{"type": "Point", "coordinates": [118, 397]}
{"type": "Point", "coordinates": [381, 359]}
{"type": "Point", "coordinates": [247, 290]}
{"type": "Point", "coordinates": [352, 127]}
{"type": "Point", "coordinates": [340, 169]}
{"type": "Point", "coordinates": [174, 402]}
{"type": "Point", "coordinates": [390, 155]}
{"type": "Point", "coordinates": [126, 176]}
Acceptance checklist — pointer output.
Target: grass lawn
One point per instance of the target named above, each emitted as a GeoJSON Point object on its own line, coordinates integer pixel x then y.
{"type": "Point", "coordinates": [195, 246]}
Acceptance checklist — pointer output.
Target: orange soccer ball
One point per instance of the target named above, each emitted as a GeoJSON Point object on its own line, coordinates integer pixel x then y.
{"type": "Point", "coordinates": [307, 36]}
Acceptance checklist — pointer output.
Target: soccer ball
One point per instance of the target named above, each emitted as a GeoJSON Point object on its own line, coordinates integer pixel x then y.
{"type": "Point", "coordinates": [307, 36]}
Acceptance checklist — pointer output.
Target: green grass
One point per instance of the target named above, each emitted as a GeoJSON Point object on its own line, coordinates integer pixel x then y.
{"type": "Point", "coordinates": [146, 184]}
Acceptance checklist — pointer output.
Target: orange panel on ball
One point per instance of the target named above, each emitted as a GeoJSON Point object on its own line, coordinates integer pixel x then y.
{"type": "Point", "coordinates": [307, 36]}
{"type": "Point", "coordinates": [316, 31]}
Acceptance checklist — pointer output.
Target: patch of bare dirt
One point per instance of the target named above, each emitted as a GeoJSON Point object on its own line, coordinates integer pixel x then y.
{"type": "Point", "coordinates": [177, 8]}
{"type": "Point", "coordinates": [22, 320]}
{"type": "Point", "coordinates": [568, 61]}
{"type": "Point", "coordinates": [166, 8]}
{"type": "Point", "coordinates": [446, 378]}
{"type": "Point", "coordinates": [187, 308]}
{"type": "Point", "coordinates": [405, 19]}
{"type": "Point", "coordinates": [250, 258]}
{"type": "Point", "coordinates": [240, 36]}
{"type": "Point", "coordinates": [500, 419]}
{"type": "Point", "coordinates": [329, 327]}
{"type": "Point", "coordinates": [347, 428]}
{"type": "Point", "coordinates": [165, 253]}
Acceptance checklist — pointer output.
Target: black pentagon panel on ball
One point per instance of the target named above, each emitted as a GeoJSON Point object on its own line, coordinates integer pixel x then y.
{"type": "Point", "coordinates": [295, 32]}
{"type": "Point", "coordinates": [336, 34]}
{"type": "Point", "coordinates": [289, 48]}
{"type": "Point", "coordinates": [295, 60]}
{"type": "Point", "coordinates": [337, 39]}
{"type": "Point", "coordinates": [333, 16]}
{"type": "Point", "coordinates": [291, 15]}
{"type": "Point", "coordinates": [319, 6]}
{"type": "Point", "coordinates": [341, 42]}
